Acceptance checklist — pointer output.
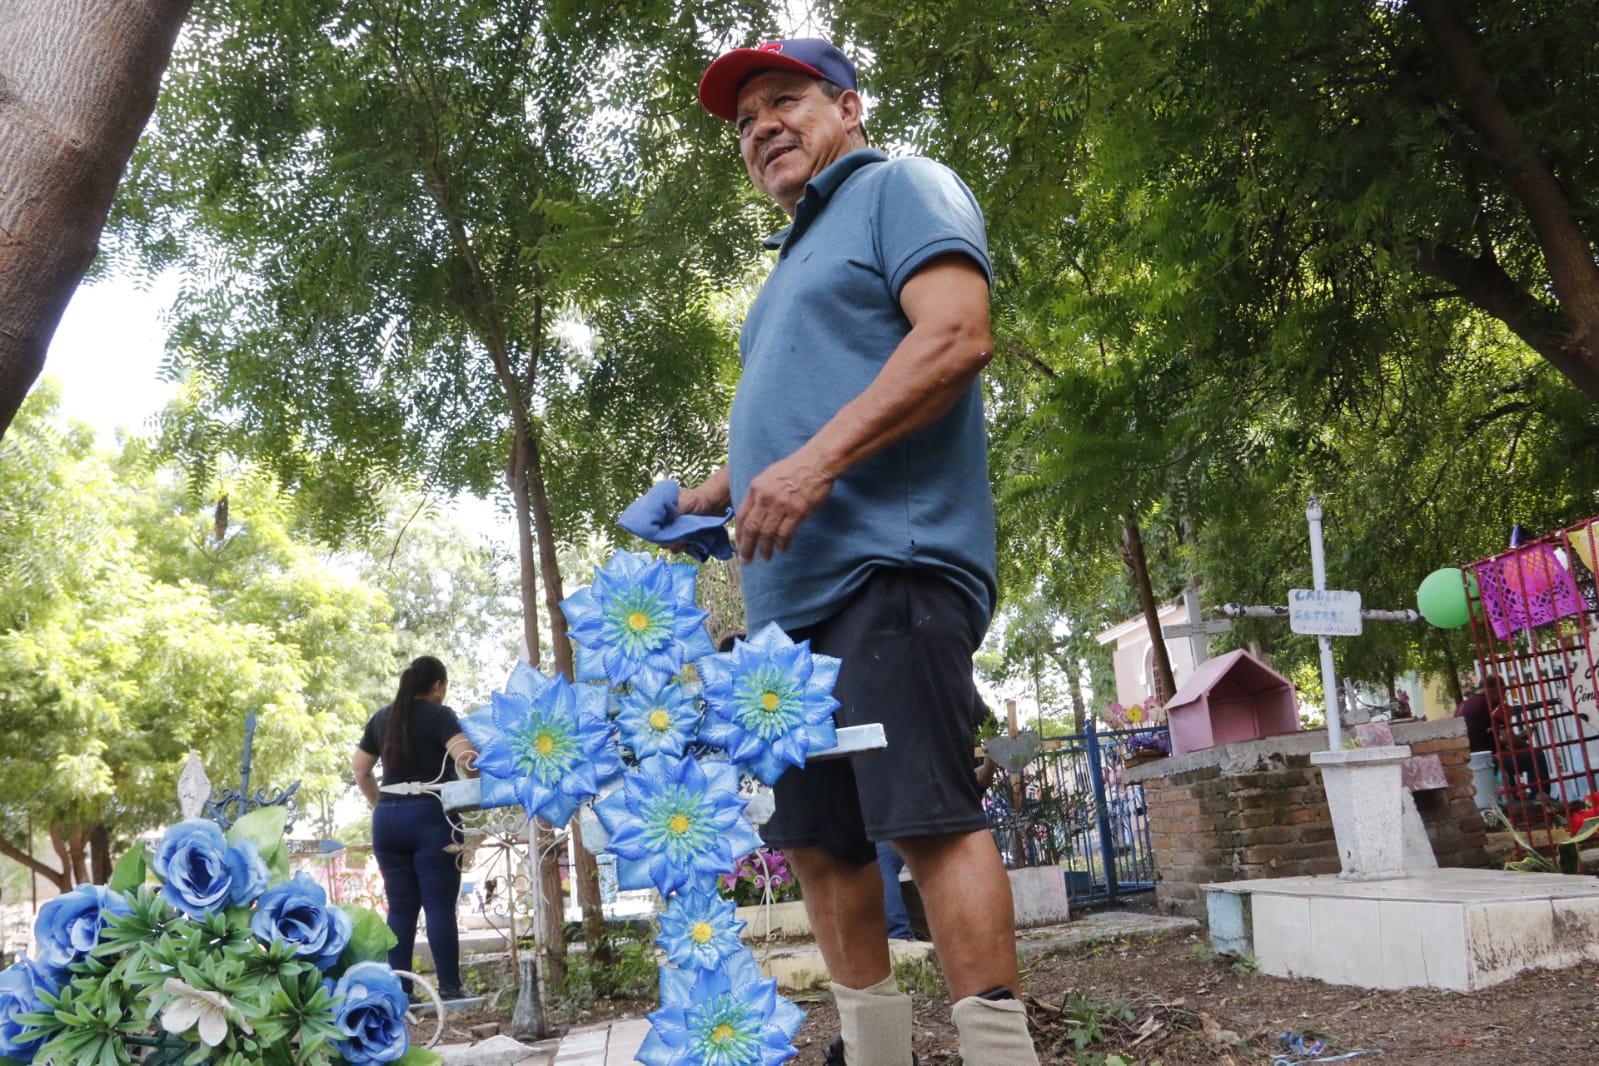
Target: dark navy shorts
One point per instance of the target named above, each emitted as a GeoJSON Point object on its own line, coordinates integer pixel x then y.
{"type": "Point", "coordinates": [906, 638]}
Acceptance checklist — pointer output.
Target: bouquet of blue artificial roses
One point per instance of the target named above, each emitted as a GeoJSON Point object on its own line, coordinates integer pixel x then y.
{"type": "Point", "coordinates": [204, 949]}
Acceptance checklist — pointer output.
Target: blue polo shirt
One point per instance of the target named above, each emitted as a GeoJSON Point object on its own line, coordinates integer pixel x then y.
{"type": "Point", "coordinates": [823, 325]}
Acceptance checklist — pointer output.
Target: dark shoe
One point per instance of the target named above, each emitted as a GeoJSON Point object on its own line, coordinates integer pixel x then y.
{"type": "Point", "coordinates": [835, 1054]}
{"type": "Point", "coordinates": [452, 993]}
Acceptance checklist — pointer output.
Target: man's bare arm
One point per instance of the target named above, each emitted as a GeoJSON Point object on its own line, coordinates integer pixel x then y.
{"type": "Point", "coordinates": [711, 496]}
{"type": "Point", "coordinates": [949, 343]}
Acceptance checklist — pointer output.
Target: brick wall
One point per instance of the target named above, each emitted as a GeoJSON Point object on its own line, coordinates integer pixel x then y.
{"type": "Point", "coordinates": [1257, 809]}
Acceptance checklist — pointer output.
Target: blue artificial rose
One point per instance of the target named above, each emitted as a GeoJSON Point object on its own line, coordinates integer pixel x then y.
{"type": "Point", "coordinates": [369, 1009]}
{"type": "Point", "coordinates": [68, 926]}
{"type": "Point", "coordinates": [20, 988]}
{"type": "Point", "coordinates": [297, 912]}
{"type": "Point", "coordinates": [200, 873]}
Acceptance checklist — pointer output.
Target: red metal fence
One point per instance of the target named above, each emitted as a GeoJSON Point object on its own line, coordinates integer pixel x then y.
{"type": "Point", "coordinates": [1535, 623]}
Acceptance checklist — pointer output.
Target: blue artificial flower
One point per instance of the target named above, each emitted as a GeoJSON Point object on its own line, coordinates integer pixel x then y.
{"type": "Point", "coordinates": [637, 621]}
{"type": "Point", "coordinates": [553, 745]}
{"type": "Point", "coordinates": [21, 992]}
{"type": "Point", "coordinates": [200, 872]}
{"type": "Point", "coordinates": [68, 927]}
{"type": "Point", "coordinates": [297, 913]}
{"type": "Point", "coordinates": [727, 1017]}
{"type": "Point", "coordinates": [769, 702]}
{"type": "Point", "coordinates": [676, 824]}
{"type": "Point", "coordinates": [657, 720]}
{"type": "Point", "coordinates": [369, 1009]}
{"type": "Point", "coordinates": [699, 930]}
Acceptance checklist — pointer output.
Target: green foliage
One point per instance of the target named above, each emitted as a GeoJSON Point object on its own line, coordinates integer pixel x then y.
{"type": "Point", "coordinates": [920, 976]}
{"type": "Point", "coordinates": [264, 827]}
{"type": "Point", "coordinates": [1205, 222]}
{"type": "Point", "coordinates": [616, 965]}
{"type": "Point", "coordinates": [453, 596]}
{"type": "Point", "coordinates": [279, 1010]}
{"type": "Point", "coordinates": [370, 938]}
{"type": "Point", "coordinates": [408, 226]}
{"type": "Point", "coordinates": [132, 633]}
{"type": "Point", "coordinates": [130, 870]}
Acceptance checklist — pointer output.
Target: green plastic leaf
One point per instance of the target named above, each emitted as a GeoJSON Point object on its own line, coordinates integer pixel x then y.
{"type": "Point", "coordinates": [130, 870]}
{"type": "Point", "coordinates": [370, 938]}
{"type": "Point", "coordinates": [419, 1056]}
{"type": "Point", "coordinates": [262, 827]}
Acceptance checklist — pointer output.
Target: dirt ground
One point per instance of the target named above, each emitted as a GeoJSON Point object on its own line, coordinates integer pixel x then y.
{"type": "Point", "coordinates": [1168, 1002]}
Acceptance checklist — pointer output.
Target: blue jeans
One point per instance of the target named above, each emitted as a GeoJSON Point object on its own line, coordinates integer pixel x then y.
{"type": "Point", "coordinates": [899, 919]}
{"type": "Point", "coordinates": [409, 834]}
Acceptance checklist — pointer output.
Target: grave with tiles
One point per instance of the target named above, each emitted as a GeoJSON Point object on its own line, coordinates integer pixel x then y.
{"type": "Point", "coordinates": [1354, 864]}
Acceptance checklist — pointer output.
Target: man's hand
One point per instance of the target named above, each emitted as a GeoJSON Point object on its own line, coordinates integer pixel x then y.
{"type": "Point", "coordinates": [779, 499]}
{"type": "Point", "coordinates": [711, 496]}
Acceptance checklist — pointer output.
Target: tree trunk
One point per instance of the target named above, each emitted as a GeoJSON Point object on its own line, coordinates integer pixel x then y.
{"type": "Point", "coordinates": [100, 854]}
{"type": "Point", "coordinates": [62, 881]}
{"type": "Point", "coordinates": [78, 80]}
{"type": "Point", "coordinates": [78, 853]}
{"type": "Point", "coordinates": [1133, 556]}
{"type": "Point", "coordinates": [585, 871]}
{"type": "Point", "coordinates": [1452, 674]}
{"type": "Point", "coordinates": [58, 843]}
{"type": "Point", "coordinates": [1074, 678]}
{"type": "Point", "coordinates": [517, 479]}
{"type": "Point", "coordinates": [552, 934]}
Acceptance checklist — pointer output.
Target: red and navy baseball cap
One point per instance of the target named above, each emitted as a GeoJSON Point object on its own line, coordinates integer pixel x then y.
{"type": "Point", "coordinates": [802, 55]}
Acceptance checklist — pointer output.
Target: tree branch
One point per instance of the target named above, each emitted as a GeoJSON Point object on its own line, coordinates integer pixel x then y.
{"type": "Point", "coordinates": [1011, 348]}
{"type": "Point", "coordinates": [1485, 285]}
{"type": "Point", "coordinates": [16, 854]}
{"type": "Point", "coordinates": [1566, 248]}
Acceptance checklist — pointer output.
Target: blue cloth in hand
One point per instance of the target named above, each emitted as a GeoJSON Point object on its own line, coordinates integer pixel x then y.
{"type": "Point", "coordinates": [654, 517]}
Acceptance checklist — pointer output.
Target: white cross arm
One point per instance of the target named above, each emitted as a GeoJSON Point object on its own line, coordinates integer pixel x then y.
{"type": "Point", "coordinates": [1208, 627]}
{"type": "Point", "coordinates": [464, 795]}
{"type": "Point", "coordinates": [1243, 610]}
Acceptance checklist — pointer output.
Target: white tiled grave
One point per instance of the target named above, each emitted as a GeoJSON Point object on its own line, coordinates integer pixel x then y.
{"type": "Point", "coordinates": [1442, 928]}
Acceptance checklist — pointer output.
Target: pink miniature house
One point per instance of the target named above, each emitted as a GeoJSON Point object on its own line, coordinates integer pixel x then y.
{"type": "Point", "coordinates": [1230, 698]}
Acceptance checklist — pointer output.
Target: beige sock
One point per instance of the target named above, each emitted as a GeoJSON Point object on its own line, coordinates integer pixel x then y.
{"type": "Point", "coordinates": [994, 1033]}
{"type": "Point", "coordinates": [875, 1023]}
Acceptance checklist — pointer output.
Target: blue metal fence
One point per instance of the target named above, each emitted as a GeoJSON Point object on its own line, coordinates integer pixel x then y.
{"type": "Point", "coordinates": [1076, 812]}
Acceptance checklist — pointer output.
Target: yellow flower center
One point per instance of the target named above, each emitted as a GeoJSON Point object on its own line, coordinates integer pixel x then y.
{"type": "Point", "coordinates": [659, 720]}
{"type": "Point", "coordinates": [1135, 713]}
{"type": "Point", "coordinates": [544, 744]}
{"type": "Point", "coordinates": [638, 621]}
{"type": "Point", "coordinates": [769, 701]}
{"type": "Point", "coordinates": [678, 824]}
{"type": "Point", "coordinates": [722, 1034]}
{"type": "Point", "coordinates": [702, 932]}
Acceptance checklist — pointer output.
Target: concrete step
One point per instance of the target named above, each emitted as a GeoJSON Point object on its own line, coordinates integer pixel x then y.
{"type": "Point", "coordinates": [611, 1044]}
{"type": "Point", "coordinates": [1458, 929]}
{"type": "Point", "coordinates": [500, 1050]}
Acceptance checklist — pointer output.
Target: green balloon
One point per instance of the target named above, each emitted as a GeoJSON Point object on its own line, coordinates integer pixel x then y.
{"type": "Point", "coordinates": [1441, 599]}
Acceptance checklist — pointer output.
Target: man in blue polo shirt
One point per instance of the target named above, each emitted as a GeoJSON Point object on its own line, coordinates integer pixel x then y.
{"type": "Point", "coordinates": [858, 461]}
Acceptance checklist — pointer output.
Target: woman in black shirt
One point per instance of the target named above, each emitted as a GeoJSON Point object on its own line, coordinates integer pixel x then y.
{"type": "Point", "coordinates": [418, 739]}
